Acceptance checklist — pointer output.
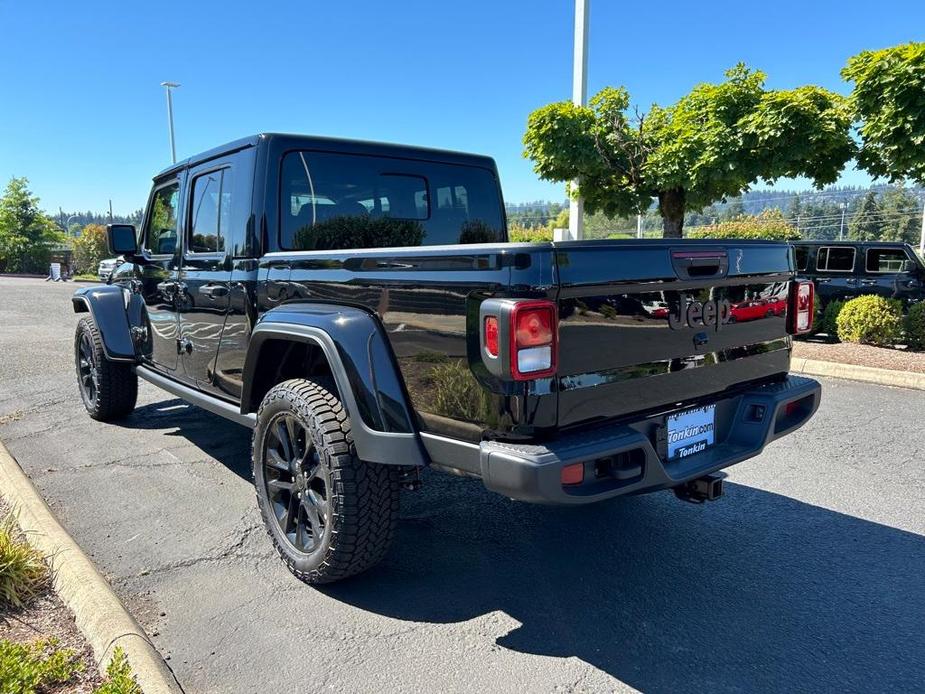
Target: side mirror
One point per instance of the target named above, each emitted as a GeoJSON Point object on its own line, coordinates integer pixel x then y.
{"type": "Point", "coordinates": [908, 266]}
{"type": "Point", "coordinates": [121, 239]}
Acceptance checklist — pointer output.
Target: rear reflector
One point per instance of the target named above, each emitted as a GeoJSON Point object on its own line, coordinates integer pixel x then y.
{"type": "Point", "coordinates": [491, 335]}
{"type": "Point", "coordinates": [573, 474]}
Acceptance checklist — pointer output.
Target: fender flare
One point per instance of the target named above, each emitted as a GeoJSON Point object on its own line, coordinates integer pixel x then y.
{"type": "Point", "coordinates": [364, 370]}
{"type": "Point", "coordinates": [109, 306]}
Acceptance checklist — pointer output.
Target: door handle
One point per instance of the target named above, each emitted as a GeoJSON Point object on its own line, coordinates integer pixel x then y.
{"type": "Point", "coordinates": [214, 291]}
{"type": "Point", "coordinates": [851, 280]}
{"type": "Point", "coordinates": [823, 280]}
{"type": "Point", "coordinates": [868, 283]}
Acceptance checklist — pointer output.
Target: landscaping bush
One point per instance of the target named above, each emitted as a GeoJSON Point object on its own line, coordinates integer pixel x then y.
{"type": "Point", "coordinates": [770, 224]}
{"type": "Point", "coordinates": [870, 320]}
{"type": "Point", "coordinates": [456, 393]}
{"type": "Point", "coordinates": [827, 321]}
{"type": "Point", "coordinates": [915, 327]}
{"type": "Point", "coordinates": [23, 572]}
{"type": "Point", "coordinates": [520, 234]}
{"type": "Point", "coordinates": [26, 668]}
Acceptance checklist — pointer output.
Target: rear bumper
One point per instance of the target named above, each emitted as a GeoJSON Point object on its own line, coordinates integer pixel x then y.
{"type": "Point", "coordinates": [632, 458]}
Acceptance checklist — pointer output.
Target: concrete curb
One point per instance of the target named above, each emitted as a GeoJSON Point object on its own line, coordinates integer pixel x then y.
{"type": "Point", "coordinates": [868, 374]}
{"type": "Point", "coordinates": [97, 611]}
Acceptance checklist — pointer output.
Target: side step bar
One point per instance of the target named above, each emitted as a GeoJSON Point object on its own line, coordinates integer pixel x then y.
{"type": "Point", "coordinates": [195, 397]}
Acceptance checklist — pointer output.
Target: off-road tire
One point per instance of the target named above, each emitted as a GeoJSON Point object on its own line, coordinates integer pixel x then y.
{"type": "Point", "coordinates": [362, 498]}
{"type": "Point", "coordinates": [109, 389]}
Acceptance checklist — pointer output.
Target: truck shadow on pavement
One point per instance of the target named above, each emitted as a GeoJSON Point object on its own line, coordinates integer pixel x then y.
{"type": "Point", "coordinates": [227, 443]}
{"type": "Point", "coordinates": [756, 591]}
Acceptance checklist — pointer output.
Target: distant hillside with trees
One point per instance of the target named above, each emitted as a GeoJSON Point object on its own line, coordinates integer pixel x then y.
{"type": "Point", "coordinates": [882, 212]}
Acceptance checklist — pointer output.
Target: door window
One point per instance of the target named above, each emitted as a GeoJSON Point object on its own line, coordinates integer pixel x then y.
{"type": "Point", "coordinates": [802, 253]}
{"type": "Point", "coordinates": [210, 212]}
{"type": "Point", "coordinates": [161, 226]}
{"type": "Point", "coordinates": [835, 259]}
{"type": "Point", "coordinates": [885, 260]}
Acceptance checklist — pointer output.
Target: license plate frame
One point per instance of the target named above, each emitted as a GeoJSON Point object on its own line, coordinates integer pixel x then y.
{"type": "Point", "coordinates": [690, 432]}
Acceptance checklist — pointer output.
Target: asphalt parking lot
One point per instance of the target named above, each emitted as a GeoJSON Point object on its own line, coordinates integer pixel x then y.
{"type": "Point", "coordinates": [808, 575]}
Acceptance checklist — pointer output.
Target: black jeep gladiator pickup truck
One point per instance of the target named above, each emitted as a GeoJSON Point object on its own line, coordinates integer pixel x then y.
{"type": "Point", "coordinates": [358, 305]}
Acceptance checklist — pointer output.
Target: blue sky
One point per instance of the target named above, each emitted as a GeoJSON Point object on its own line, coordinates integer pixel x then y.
{"type": "Point", "coordinates": [83, 116]}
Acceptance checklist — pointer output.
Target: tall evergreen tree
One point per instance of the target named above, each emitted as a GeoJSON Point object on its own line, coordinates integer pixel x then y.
{"type": "Point", "coordinates": [900, 220]}
{"type": "Point", "coordinates": [866, 222]}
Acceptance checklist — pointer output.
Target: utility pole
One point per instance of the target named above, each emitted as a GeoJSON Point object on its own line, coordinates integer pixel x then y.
{"type": "Point", "coordinates": [922, 237]}
{"type": "Point", "coordinates": [638, 226]}
{"type": "Point", "coordinates": [173, 149]}
{"type": "Point", "coordinates": [576, 222]}
{"type": "Point", "coordinates": [110, 210]}
{"type": "Point", "coordinates": [841, 229]}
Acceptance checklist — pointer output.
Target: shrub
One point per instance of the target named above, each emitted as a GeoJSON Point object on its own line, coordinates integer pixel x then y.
{"type": "Point", "coordinates": [770, 224]}
{"type": "Point", "coordinates": [119, 677]}
{"type": "Point", "coordinates": [90, 248]}
{"type": "Point", "coordinates": [828, 320]}
{"type": "Point", "coordinates": [520, 234]}
{"type": "Point", "coordinates": [26, 668]}
{"type": "Point", "coordinates": [23, 572]}
{"type": "Point", "coordinates": [870, 320]}
{"type": "Point", "coordinates": [915, 327]}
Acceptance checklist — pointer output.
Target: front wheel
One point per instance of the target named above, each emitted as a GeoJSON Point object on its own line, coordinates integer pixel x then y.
{"type": "Point", "coordinates": [109, 389]}
{"type": "Point", "coordinates": [329, 514]}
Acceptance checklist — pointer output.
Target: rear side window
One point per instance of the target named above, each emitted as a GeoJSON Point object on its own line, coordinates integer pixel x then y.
{"type": "Point", "coordinates": [835, 259]}
{"type": "Point", "coordinates": [885, 260]}
{"type": "Point", "coordinates": [210, 212]}
{"type": "Point", "coordinates": [332, 201]}
{"type": "Point", "coordinates": [161, 226]}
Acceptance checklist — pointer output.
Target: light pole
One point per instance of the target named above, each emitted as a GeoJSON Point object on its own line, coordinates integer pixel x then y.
{"type": "Point", "coordinates": [576, 222]}
{"type": "Point", "coordinates": [67, 224]}
{"type": "Point", "coordinates": [173, 149]}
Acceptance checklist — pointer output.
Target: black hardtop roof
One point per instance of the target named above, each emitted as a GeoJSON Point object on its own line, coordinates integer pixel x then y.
{"type": "Point", "coordinates": [285, 141]}
{"type": "Point", "coordinates": [817, 242]}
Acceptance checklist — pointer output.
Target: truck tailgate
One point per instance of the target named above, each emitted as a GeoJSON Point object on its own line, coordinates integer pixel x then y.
{"type": "Point", "coordinates": [647, 325]}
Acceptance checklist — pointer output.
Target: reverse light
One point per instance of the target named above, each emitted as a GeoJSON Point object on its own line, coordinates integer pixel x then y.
{"type": "Point", "coordinates": [802, 308]}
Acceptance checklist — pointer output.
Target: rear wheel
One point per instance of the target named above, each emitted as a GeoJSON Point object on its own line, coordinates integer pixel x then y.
{"type": "Point", "coordinates": [109, 389]}
{"type": "Point", "coordinates": [329, 514]}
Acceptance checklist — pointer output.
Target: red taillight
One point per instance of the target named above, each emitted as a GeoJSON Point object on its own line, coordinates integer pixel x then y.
{"type": "Point", "coordinates": [534, 351]}
{"type": "Point", "coordinates": [802, 308]}
{"type": "Point", "coordinates": [491, 336]}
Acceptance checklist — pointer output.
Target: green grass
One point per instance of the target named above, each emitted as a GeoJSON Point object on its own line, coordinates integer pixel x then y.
{"type": "Point", "coordinates": [23, 572]}
{"type": "Point", "coordinates": [86, 276]}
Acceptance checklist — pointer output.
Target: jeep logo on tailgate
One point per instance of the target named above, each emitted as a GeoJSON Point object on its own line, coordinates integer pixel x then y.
{"type": "Point", "coordinates": [688, 313]}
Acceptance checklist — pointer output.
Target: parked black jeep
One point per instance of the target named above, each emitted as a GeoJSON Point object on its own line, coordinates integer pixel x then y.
{"type": "Point", "coordinates": [845, 269]}
{"type": "Point", "coordinates": [359, 306]}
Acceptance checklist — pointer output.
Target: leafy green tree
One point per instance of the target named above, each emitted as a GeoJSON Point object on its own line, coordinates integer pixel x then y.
{"type": "Point", "coordinates": [90, 248]}
{"type": "Point", "coordinates": [889, 99]}
{"type": "Point", "coordinates": [900, 219]}
{"type": "Point", "coordinates": [865, 224]}
{"type": "Point", "coordinates": [26, 233]}
{"type": "Point", "coordinates": [712, 144]}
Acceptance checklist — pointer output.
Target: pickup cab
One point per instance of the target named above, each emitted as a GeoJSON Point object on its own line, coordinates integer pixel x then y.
{"type": "Point", "coordinates": [843, 270]}
{"type": "Point", "coordinates": [358, 305]}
